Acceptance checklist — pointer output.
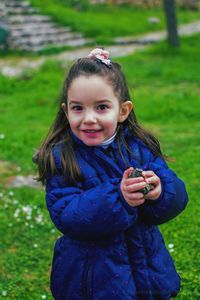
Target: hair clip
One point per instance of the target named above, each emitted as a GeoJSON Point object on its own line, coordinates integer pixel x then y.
{"type": "Point", "coordinates": [101, 55]}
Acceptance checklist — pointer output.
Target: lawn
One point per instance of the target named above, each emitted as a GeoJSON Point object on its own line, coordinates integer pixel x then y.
{"type": "Point", "coordinates": [165, 89]}
{"type": "Point", "coordinates": [104, 22]}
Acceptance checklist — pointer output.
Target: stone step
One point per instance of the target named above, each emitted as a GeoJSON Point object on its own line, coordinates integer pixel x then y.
{"type": "Point", "coordinates": [22, 19]}
{"type": "Point", "coordinates": [35, 27]}
{"type": "Point", "coordinates": [29, 30]}
{"type": "Point", "coordinates": [21, 10]}
{"type": "Point", "coordinates": [45, 39]}
{"type": "Point", "coordinates": [43, 31]}
{"type": "Point", "coordinates": [71, 43]}
{"type": "Point", "coordinates": [14, 3]}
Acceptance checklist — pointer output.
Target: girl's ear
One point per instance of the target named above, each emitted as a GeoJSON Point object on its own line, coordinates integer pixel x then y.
{"type": "Point", "coordinates": [64, 107]}
{"type": "Point", "coordinates": [125, 110]}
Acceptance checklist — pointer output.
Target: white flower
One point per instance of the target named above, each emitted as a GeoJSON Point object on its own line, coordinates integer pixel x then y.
{"type": "Point", "coordinates": [28, 217]}
{"type": "Point", "coordinates": [4, 293]}
{"type": "Point", "coordinates": [11, 193]}
{"type": "Point", "coordinates": [1, 195]}
{"type": "Point", "coordinates": [10, 225]}
{"type": "Point", "coordinates": [27, 209]}
{"type": "Point", "coordinates": [171, 250]}
{"type": "Point", "coordinates": [170, 246]}
{"type": "Point", "coordinates": [43, 296]}
{"type": "Point", "coordinates": [52, 230]}
{"type": "Point", "coordinates": [16, 214]}
{"type": "Point", "coordinates": [2, 136]}
{"type": "Point", "coordinates": [38, 219]}
{"type": "Point", "coordinates": [35, 245]}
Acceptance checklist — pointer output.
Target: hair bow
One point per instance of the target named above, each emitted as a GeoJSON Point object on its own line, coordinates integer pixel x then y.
{"type": "Point", "coordinates": [101, 55]}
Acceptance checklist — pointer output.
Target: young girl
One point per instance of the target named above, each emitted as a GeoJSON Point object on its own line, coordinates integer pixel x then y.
{"type": "Point", "coordinates": [111, 248]}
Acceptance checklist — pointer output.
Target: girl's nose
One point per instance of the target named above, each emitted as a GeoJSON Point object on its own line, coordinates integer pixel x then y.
{"type": "Point", "coordinates": [89, 118]}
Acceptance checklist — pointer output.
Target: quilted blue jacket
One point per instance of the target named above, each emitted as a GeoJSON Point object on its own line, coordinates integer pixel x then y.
{"type": "Point", "coordinates": [110, 250]}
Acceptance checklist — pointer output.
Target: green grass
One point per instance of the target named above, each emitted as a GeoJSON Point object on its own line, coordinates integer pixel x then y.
{"type": "Point", "coordinates": [165, 88]}
{"type": "Point", "coordinates": [103, 22]}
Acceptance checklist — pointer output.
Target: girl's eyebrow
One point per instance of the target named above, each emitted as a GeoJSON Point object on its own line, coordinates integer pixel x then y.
{"type": "Point", "coordinates": [74, 102]}
{"type": "Point", "coordinates": [97, 101]}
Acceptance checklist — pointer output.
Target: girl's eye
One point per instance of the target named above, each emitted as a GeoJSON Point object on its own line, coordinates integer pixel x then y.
{"type": "Point", "coordinates": [76, 107]}
{"type": "Point", "coordinates": [102, 107]}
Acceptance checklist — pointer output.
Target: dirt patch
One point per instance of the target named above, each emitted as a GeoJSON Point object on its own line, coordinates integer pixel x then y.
{"type": "Point", "coordinates": [9, 178]}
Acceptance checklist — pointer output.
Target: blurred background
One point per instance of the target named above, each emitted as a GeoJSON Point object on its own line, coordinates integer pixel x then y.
{"type": "Point", "coordinates": [158, 45]}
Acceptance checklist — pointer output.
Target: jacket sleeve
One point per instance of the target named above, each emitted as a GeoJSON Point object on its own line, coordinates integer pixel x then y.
{"type": "Point", "coordinates": [173, 198]}
{"type": "Point", "coordinates": [88, 214]}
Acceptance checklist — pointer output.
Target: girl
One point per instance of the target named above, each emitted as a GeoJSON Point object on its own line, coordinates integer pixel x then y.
{"type": "Point", "coordinates": [111, 247]}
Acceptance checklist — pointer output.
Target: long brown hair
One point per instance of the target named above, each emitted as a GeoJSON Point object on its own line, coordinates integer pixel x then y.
{"type": "Point", "coordinates": [59, 131]}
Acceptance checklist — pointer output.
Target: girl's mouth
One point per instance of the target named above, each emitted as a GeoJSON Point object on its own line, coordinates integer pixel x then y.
{"type": "Point", "coordinates": [92, 133]}
{"type": "Point", "coordinates": [92, 130]}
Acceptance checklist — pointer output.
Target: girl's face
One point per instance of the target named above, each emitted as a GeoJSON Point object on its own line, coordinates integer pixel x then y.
{"type": "Point", "coordinates": [93, 110]}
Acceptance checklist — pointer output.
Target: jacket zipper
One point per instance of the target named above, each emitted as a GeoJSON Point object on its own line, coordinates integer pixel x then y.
{"type": "Point", "coordinates": [86, 281]}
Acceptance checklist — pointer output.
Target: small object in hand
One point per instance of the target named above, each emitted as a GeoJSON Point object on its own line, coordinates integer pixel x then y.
{"type": "Point", "coordinates": [138, 173]}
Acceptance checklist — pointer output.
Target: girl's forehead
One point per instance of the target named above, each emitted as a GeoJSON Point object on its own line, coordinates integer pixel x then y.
{"type": "Point", "coordinates": [85, 79]}
{"type": "Point", "coordinates": [89, 84]}
{"type": "Point", "coordinates": [94, 87]}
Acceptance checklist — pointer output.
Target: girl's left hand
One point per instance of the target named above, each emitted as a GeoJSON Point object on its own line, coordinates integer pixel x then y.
{"type": "Point", "coordinates": [151, 178]}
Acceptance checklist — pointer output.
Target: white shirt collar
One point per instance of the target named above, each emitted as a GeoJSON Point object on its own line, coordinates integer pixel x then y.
{"type": "Point", "coordinates": [106, 143]}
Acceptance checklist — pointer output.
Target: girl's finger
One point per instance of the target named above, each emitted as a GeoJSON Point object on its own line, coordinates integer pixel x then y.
{"type": "Point", "coordinates": [127, 172]}
{"type": "Point", "coordinates": [154, 194]}
{"type": "Point", "coordinates": [148, 173]}
{"type": "Point", "coordinates": [135, 187]}
{"type": "Point", "coordinates": [155, 180]}
{"type": "Point", "coordinates": [135, 180]}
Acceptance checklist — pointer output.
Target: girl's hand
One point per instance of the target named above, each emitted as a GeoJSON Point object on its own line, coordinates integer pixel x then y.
{"type": "Point", "coordinates": [129, 188]}
{"type": "Point", "coordinates": [151, 178]}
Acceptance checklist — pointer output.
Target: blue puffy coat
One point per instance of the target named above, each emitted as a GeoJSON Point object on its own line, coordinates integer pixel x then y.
{"type": "Point", "coordinates": [110, 250]}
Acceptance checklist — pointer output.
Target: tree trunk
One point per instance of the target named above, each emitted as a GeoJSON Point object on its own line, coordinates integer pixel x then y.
{"type": "Point", "coordinates": [170, 13]}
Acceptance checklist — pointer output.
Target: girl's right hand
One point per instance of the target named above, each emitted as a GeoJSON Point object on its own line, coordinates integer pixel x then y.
{"type": "Point", "coordinates": [129, 188]}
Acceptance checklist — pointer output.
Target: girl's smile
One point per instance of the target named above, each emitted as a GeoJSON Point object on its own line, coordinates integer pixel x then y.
{"type": "Point", "coordinates": [93, 110]}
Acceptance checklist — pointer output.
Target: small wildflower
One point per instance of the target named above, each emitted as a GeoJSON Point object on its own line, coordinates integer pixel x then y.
{"type": "Point", "coordinates": [35, 245]}
{"type": "Point", "coordinates": [31, 226]}
{"type": "Point", "coordinates": [11, 194]}
{"type": "Point", "coordinates": [171, 250]}
{"type": "Point", "coordinates": [170, 246]}
{"type": "Point", "coordinates": [10, 225]}
{"type": "Point", "coordinates": [16, 214]}
{"type": "Point", "coordinates": [1, 195]}
{"type": "Point", "coordinates": [4, 293]}
{"type": "Point", "coordinates": [2, 136]}
{"type": "Point", "coordinates": [38, 219]}
{"type": "Point", "coordinates": [27, 209]}
{"type": "Point", "coordinates": [28, 217]}
{"type": "Point", "coordinates": [15, 201]}
{"type": "Point", "coordinates": [43, 296]}
{"type": "Point", "coordinates": [52, 230]}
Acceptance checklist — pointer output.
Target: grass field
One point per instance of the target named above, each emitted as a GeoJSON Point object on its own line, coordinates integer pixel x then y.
{"type": "Point", "coordinates": [165, 88]}
{"type": "Point", "coordinates": [104, 22]}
